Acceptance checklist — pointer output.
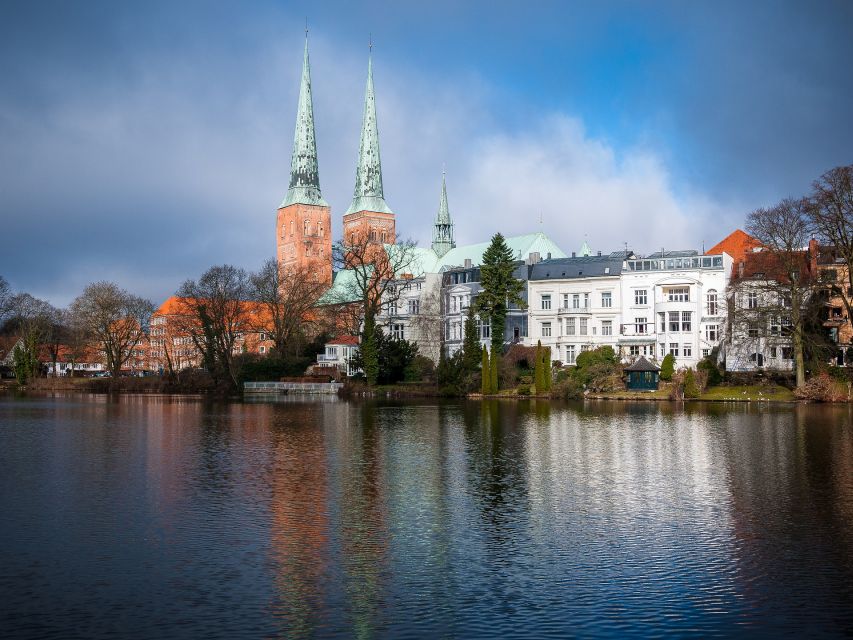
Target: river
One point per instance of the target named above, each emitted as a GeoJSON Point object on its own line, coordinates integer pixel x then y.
{"type": "Point", "coordinates": [170, 517]}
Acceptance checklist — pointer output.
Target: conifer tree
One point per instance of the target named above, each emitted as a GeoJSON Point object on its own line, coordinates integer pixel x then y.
{"type": "Point", "coordinates": [471, 343]}
{"type": "Point", "coordinates": [546, 369]}
{"type": "Point", "coordinates": [500, 288]}
{"type": "Point", "coordinates": [667, 367]}
{"type": "Point", "coordinates": [485, 374]}
{"type": "Point", "coordinates": [691, 389]}
{"type": "Point", "coordinates": [537, 368]}
{"type": "Point", "coordinates": [494, 364]}
{"type": "Point", "coordinates": [369, 350]}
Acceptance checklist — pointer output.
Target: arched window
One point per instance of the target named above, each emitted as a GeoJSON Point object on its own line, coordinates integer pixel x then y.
{"type": "Point", "coordinates": [291, 227]}
{"type": "Point", "coordinates": [711, 300]}
{"type": "Point", "coordinates": [320, 229]}
{"type": "Point", "coordinates": [305, 228]}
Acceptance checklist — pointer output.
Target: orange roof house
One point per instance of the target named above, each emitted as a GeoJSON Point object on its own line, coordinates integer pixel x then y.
{"type": "Point", "coordinates": [737, 244]}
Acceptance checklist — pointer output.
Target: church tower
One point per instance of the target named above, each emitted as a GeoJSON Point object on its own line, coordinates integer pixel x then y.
{"type": "Point", "coordinates": [304, 223]}
{"type": "Point", "coordinates": [368, 214]}
{"type": "Point", "coordinates": [442, 233]}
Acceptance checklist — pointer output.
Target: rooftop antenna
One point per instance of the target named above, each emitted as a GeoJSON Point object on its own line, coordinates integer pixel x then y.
{"type": "Point", "coordinates": [626, 250]}
{"type": "Point", "coordinates": [370, 43]}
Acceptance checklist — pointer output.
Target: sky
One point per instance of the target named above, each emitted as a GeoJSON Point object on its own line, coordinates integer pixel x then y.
{"type": "Point", "coordinates": [143, 142]}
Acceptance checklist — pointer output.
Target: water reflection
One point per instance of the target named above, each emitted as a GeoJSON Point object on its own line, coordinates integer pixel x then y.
{"type": "Point", "coordinates": [160, 517]}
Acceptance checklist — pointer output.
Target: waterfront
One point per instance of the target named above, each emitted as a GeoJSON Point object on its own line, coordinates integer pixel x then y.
{"type": "Point", "coordinates": [167, 517]}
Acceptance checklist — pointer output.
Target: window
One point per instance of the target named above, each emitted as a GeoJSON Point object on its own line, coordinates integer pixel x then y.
{"type": "Point", "coordinates": [262, 349]}
{"type": "Point", "coordinates": [546, 329]}
{"type": "Point", "coordinates": [687, 350]}
{"type": "Point", "coordinates": [607, 327]}
{"type": "Point", "coordinates": [775, 325]}
{"type": "Point", "coordinates": [583, 326]}
{"type": "Point", "coordinates": [662, 349]}
{"type": "Point", "coordinates": [787, 353]}
{"type": "Point", "coordinates": [485, 328]}
{"type": "Point", "coordinates": [634, 350]}
{"type": "Point", "coordinates": [662, 318]}
{"type": "Point", "coordinates": [397, 331]}
{"type": "Point", "coordinates": [641, 297]}
{"type": "Point", "coordinates": [673, 349]}
{"type": "Point", "coordinates": [674, 317]}
{"type": "Point", "coordinates": [291, 227]}
{"type": "Point", "coordinates": [679, 294]}
{"type": "Point", "coordinates": [570, 326]}
{"type": "Point", "coordinates": [546, 301]}
{"type": "Point", "coordinates": [712, 332]}
{"type": "Point", "coordinates": [752, 300]}
{"type": "Point", "coordinates": [414, 307]}
{"type": "Point", "coordinates": [305, 227]}
{"type": "Point", "coordinates": [570, 354]}
{"type": "Point", "coordinates": [773, 352]}
{"type": "Point", "coordinates": [706, 353]}
{"type": "Point", "coordinates": [606, 300]}
{"type": "Point", "coordinates": [752, 330]}
{"type": "Point", "coordinates": [686, 324]}
{"type": "Point", "coordinates": [640, 325]}
{"type": "Point", "coordinates": [711, 301]}
{"type": "Point", "coordinates": [392, 308]}
{"type": "Point", "coordinates": [576, 301]}
{"type": "Point", "coordinates": [262, 337]}
{"type": "Point", "coordinates": [565, 301]}
{"type": "Point", "coordinates": [586, 301]}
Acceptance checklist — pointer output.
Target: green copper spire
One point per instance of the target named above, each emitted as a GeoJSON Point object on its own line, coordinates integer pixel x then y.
{"type": "Point", "coordinates": [585, 250]}
{"type": "Point", "coordinates": [442, 234]}
{"type": "Point", "coordinates": [304, 174]}
{"type": "Point", "coordinates": [368, 195]}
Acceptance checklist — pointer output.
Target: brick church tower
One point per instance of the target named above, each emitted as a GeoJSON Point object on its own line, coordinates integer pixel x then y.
{"type": "Point", "coordinates": [304, 223]}
{"type": "Point", "coordinates": [368, 214]}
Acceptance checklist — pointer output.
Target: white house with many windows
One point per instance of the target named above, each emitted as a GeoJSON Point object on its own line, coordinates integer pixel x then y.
{"type": "Point", "coordinates": [673, 303]}
{"type": "Point", "coordinates": [574, 304]}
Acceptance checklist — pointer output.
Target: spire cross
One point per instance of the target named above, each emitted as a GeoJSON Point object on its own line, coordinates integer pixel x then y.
{"type": "Point", "coordinates": [370, 43]}
{"type": "Point", "coordinates": [306, 27]}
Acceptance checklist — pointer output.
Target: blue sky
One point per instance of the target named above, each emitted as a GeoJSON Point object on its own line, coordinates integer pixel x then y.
{"type": "Point", "coordinates": [146, 141]}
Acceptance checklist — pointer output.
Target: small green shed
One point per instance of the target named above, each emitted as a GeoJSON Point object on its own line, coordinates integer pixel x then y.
{"type": "Point", "coordinates": [643, 375]}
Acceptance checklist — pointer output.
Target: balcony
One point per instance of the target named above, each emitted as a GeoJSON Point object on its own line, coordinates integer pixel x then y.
{"type": "Point", "coordinates": [571, 310]}
{"type": "Point", "coordinates": [324, 357]}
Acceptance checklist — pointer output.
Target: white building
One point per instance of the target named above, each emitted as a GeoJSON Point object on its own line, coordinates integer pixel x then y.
{"type": "Point", "coordinates": [339, 353]}
{"type": "Point", "coordinates": [575, 304]}
{"type": "Point", "coordinates": [673, 303]}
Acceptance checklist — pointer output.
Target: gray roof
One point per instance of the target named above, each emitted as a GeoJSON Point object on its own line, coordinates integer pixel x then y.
{"type": "Point", "coordinates": [583, 267]}
{"type": "Point", "coordinates": [684, 253]}
{"type": "Point", "coordinates": [642, 365]}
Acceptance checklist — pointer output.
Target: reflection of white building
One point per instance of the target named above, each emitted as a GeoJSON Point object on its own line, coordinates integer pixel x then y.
{"type": "Point", "coordinates": [673, 303]}
{"type": "Point", "coordinates": [339, 353]}
{"type": "Point", "coordinates": [574, 304]}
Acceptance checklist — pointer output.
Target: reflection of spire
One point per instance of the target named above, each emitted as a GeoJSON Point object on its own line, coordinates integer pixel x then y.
{"type": "Point", "coordinates": [304, 172]}
{"type": "Point", "coordinates": [442, 234]}
{"type": "Point", "coordinates": [368, 194]}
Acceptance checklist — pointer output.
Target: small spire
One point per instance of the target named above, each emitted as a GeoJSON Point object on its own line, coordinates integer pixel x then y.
{"type": "Point", "coordinates": [304, 172]}
{"type": "Point", "coordinates": [442, 235]}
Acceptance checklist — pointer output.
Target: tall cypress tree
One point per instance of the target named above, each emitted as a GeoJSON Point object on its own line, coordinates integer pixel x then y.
{"type": "Point", "coordinates": [546, 369]}
{"type": "Point", "coordinates": [485, 374]}
{"type": "Point", "coordinates": [500, 288]}
{"type": "Point", "coordinates": [537, 368]}
{"type": "Point", "coordinates": [494, 363]}
{"type": "Point", "coordinates": [471, 343]}
{"type": "Point", "coordinates": [370, 350]}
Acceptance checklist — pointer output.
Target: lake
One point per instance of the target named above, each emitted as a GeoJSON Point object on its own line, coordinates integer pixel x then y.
{"type": "Point", "coordinates": [170, 517]}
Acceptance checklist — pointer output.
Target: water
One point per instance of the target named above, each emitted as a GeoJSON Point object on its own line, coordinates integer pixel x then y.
{"type": "Point", "coordinates": [147, 517]}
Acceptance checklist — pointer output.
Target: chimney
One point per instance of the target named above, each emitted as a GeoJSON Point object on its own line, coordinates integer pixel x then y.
{"type": "Point", "coordinates": [549, 256]}
{"type": "Point", "coordinates": [599, 254]}
{"type": "Point", "coordinates": [533, 258]}
{"type": "Point", "coordinates": [813, 251]}
{"type": "Point", "coordinates": [573, 254]}
{"type": "Point", "coordinates": [740, 268]}
{"type": "Point", "coordinates": [467, 263]}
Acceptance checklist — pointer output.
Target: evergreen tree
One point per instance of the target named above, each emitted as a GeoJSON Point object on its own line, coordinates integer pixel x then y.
{"type": "Point", "coordinates": [546, 369]}
{"type": "Point", "coordinates": [691, 389]}
{"type": "Point", "coordinates": [500, 288]}
{"type": "Point", "coordinates": [667, 367]}
{"type": "Point", "coordinates": [493, 371]}
{"type": "Point", "coordinates": [537, 369]}
{"type": "Point", "coordinates": [486, 383]}
{"type": "Point", "coordinates": [471, 343]}
{"type": "Point", "coordinates": [369, 350]}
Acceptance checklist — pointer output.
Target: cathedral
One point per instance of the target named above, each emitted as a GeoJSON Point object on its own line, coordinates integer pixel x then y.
{"type": "Point", "coordinates": [304, 221]}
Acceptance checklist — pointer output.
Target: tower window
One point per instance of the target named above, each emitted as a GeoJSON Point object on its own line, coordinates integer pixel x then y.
{"type": "Point", "coordinates": [305, 228]}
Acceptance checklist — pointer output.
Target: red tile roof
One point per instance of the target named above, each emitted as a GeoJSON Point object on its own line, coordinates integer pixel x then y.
{"type": "Point", "coordinates": [737, 244]}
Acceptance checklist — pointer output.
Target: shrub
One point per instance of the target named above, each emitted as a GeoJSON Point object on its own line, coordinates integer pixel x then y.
{"type": "Point", "coordinates": [598, 370]}
{"type": "Point", "coordinates": [822, 388]}
{"type": "Point", "coordinates": [691, 389]}
{"type": "Point", "coordinates": [712, 372]}
{"type": "Point", "coordinates": [667, 367]}
{"type": "Point", "coordinates": [567, 389]}
{"type": "Point", "coordinates": [524, 390]}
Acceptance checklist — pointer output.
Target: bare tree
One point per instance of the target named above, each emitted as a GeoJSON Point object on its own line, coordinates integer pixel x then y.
{"type": "Point", "coordinates": [115, 320]}
{"type": "Point", "coordinates": [5, 300]}
{"type": "Point", "coordinates": [213, 312]}
{"type": "Point", "coordinates": [287, 297]}
{"type": "Point", "coordinates": [31, 319]}
{"type": "Point", "coordinates": [831, 214]}
{"type": "Point", "coordinates": [771, 299]}
{"type": "Point", "coordinates": [368, 277]}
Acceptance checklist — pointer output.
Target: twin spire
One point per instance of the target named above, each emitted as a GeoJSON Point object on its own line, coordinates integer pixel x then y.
{"type": "Point", "coordinates": [368, 194]}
